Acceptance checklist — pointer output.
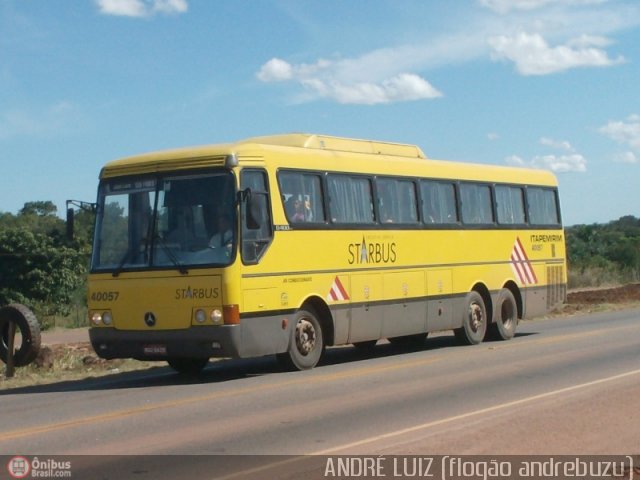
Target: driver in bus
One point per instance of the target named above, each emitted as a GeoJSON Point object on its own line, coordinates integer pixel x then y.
{"type": "Point", "coordinates": [224, 235]}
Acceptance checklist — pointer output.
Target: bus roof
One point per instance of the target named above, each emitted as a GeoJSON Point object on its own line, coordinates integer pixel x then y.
{"type": "Point", "coordinates": [338, 144]}
{"type": "Point", "coordinates": [365, 156]}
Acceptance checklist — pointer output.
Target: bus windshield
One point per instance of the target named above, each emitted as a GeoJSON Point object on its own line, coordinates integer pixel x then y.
{"type": "Point", "coordinates": [172, 221]}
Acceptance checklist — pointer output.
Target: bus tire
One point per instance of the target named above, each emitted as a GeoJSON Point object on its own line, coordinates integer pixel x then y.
{"type": "Point", "coordinates": [306, 344]}
{"type": "Point", "coordinates": [474, 320]}
{"type": "Point", "coordinates": [506, 322]}
{"type": "Point", "coordinates": [187, 366]}
{"type": "Point", "coordinates": [28, 327]}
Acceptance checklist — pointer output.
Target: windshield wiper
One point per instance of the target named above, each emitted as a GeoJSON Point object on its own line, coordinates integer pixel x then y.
{"type": "Point", "coordinates": [172, 256]}
{"type": "Point", "coordinates": [120, 266]}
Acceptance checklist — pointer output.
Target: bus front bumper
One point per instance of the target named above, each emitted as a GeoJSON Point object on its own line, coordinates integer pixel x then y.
{"type": "Point", "coordinates": [195, 342]}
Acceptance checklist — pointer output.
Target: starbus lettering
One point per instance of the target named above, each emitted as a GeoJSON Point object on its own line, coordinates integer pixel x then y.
{"type": "Point", "coordinates": [372, 252]}
{"type": "Point", "coordinates": [196, 293]}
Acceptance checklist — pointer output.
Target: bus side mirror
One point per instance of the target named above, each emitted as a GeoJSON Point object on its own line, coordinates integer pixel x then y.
{"type": "Point", "coordinates": [85, 206]}
{"type": "Point", "coordinates": [70, 223]}
{"type": "Point", "coordinates": [252, 209]}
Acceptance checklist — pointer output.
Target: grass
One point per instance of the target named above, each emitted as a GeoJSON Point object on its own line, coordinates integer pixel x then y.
{"type": "Point", "coordinates": [57, 363]}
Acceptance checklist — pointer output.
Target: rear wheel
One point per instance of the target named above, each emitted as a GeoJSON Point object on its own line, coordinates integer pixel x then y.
{"type": "Point", "coordinates": [507, 316]}
{"type": "Point", "coordinates": [28, 328]}
{"type": "Point", "coordinates": [306, 344]}
{"type": "Point", "coordinates": [187, 366]}
{"type": "Point", "coordinates": [474, 321]}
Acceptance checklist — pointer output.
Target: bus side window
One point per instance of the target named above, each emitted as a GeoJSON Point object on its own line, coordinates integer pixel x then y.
{"type": "Point", "coordinates": [543, 206]}
{"type": "Point", "coordinates": [476, 204]}
{"type": "Point", "coordinates": [510, 205]}
{"type": "Point", "coordinates": [397, 201]}
{"type": "Point", "coordinates": [302, 198]}
{"type": "Point", "coordinates": [438, 202]}
{"type": "Point", "coordinates": [350, 199]}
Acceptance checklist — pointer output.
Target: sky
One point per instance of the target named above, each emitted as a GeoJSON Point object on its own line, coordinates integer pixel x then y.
{"type": "Point", "coordinates": [553, 84]}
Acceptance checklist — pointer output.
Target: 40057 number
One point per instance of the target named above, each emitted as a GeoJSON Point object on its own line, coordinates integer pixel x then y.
{"type": "Point", "coordinates": [105, 296]}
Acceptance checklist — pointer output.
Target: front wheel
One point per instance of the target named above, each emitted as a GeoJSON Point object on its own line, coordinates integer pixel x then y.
{"type": "Point", "coordinates": [474, 321]}
{"type": "Point", "coordinates": [306, 344]}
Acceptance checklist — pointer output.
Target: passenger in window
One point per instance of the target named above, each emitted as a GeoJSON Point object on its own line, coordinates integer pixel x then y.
{"type": "Point", "coordinates": [308, 213]}
{"type": "Point", "coordinates": [298, 211]}
{"type": "Point", "coordinates": [289, 206]}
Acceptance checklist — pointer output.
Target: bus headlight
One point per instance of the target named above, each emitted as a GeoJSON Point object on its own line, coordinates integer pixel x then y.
{"type": "Point", "coordinates": [216, 316]}
{"type": "Point", "coordinates": [201, 316]}
{"type": "Point", "coordinates": [206, 316]}
{"type": "Point", "coordinates": [96, 318]}
{"type": "Point", "coordinates": [101, 318]}
{"type": "Point", "coordinates": [107, 319]}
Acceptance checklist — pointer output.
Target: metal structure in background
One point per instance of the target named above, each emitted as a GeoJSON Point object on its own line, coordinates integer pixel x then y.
{"type": "Point", "coordinates": [86, 206]}
{"type": "Point", "coordinates": [16, 318]}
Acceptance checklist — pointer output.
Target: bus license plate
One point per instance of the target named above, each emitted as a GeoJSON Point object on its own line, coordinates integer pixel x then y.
{"type": "Point", "coordinates": [155, 349]}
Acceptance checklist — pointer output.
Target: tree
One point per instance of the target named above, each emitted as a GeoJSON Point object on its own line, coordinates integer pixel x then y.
{"type": "Point", "coordinates": [42, 209]}
{"type": "Point", "coordinates": [38, 217]}
{"type": "Point", "coordinates": [37, 272]}
{"type": "Point", "coordinates": [38, 265]}
{"type": "Point", "coordinates": [605, 252]}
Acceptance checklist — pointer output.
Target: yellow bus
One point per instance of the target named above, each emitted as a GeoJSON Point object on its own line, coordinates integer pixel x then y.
{"type": "Point", "coordinates": [291, 243]}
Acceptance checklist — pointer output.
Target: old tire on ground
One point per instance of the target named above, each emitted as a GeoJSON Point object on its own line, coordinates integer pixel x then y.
{"type": "Point", "coordinates": [28, 327]}
{"type": "Point", "coordinates": [306, 344]}
{"type": "Point", "coordinates": [506, 322]}
{"type": "Point", "coordinates": [187, 366]}
{"type": "Point", "coordinates": [474, 321]}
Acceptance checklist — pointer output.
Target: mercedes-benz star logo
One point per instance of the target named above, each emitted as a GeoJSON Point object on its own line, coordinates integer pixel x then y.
{"type": "Point", "coordinates": [149, 319]}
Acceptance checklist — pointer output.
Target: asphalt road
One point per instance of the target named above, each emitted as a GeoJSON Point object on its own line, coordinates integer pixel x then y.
{"type": "Point", "coordinates": [562, 386]}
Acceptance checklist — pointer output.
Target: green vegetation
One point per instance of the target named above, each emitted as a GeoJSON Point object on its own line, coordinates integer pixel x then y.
{"type": "Point", "coordinates": [40, 267]}
{"type": "Point", "coordinates": [604, 254]}
{"type": "Point", "coordinates": [44, 270]}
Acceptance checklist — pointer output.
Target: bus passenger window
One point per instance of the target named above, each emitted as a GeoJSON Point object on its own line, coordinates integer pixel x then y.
{"type": "Point", "coordinates": [301, 194]}
{"type": "Point", "coordinates": [476, 204]}
{"type": "Point", "coordinates": [397, 201]}
{"type": "Point", "coordinates": [438, 202]}
{"type": "Point", "coordinates": [510, 205]}
{"type": "Point", "coordinates": [350, 199]}
{"type": "Point", "coordinates": [543, 206]}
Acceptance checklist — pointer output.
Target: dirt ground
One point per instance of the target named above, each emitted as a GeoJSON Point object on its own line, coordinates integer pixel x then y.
{"type": "Point", "coordinates": [597, 299]}
{"type": "Point", "coordinates": [615, 295]}
{"type": "Point", "coordinates": [64, 356]}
